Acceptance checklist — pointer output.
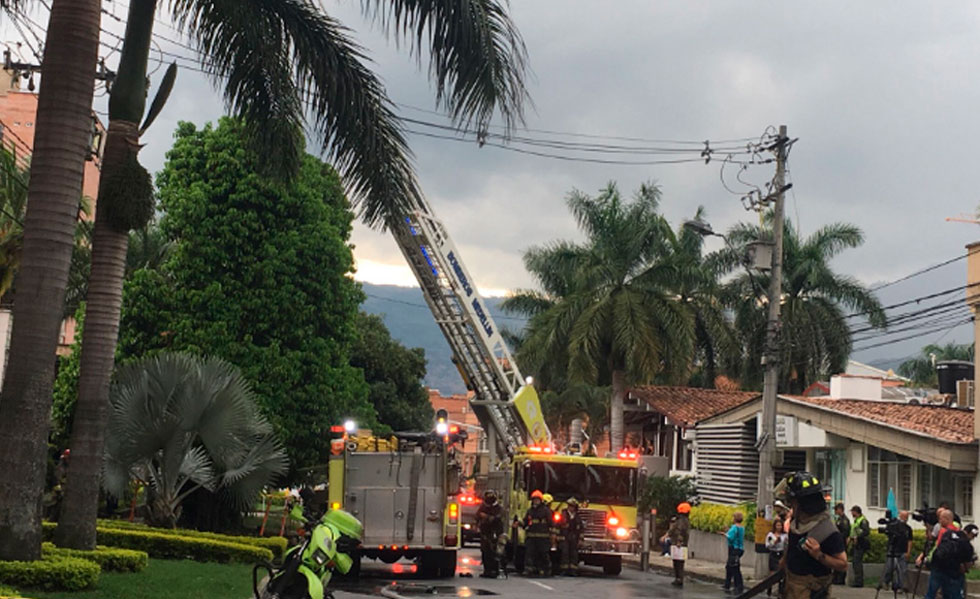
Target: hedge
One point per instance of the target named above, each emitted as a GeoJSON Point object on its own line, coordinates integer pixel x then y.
{"type": "Point", "coordinates": [277, 545]}
{"type": "Point", "coordinates": [7, 592]}
{"type": "Point", "coordinates": [879, 546]}
{"type": "Point", "coordinates": [110, 559]}
{"type": "Point", "coordinates": [171, 546]}
{"type": "Point", "coordinates": [714, 517]}
{"type": "Point", "coordinates": [51, 572]}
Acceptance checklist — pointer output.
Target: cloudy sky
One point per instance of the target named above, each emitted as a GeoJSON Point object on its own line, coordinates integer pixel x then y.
{"type": "Point", "coordinates": [882, 97]}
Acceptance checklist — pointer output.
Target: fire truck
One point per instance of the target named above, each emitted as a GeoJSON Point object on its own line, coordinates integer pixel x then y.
{"type": "Point", "coordinates": [522, 455]}
{"type": "Point", "coordinates": [403, 489]}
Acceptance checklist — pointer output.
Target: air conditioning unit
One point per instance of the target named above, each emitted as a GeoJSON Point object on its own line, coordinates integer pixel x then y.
{"type": "Point", "coordinates": [965, 393]}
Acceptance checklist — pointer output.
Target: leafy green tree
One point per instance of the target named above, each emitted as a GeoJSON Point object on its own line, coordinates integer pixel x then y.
{"type": "Point", "coordinates": [922, 368]}
{"type": "Point", "coordinates": [664, 494]}
{"type": "Point", "coordinates": [259, 276]}
{"type": "Point", "coordinates": [180, 423]}
{"type": "Point", "coordinates": [609, 303]}
{"type": "Point", "coordinates": [814, 336]}
{"type": "Point", "coordinates": [394, 374]}
{"type": "Point", "coordinates": [284, 64]}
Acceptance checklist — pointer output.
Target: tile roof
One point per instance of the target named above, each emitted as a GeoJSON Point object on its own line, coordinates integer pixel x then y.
{"type": "Point", "coordinates": [946, 424]}
{"type": "Point", "coordinates": [686, 406]}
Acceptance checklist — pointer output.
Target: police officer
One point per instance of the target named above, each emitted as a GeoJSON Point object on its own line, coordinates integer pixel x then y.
{"type": "Point", "coordinates": [844, 527]}
{"type": "Point", "coordinates": [537, 537]}
{"type": "Point", "coordinates": [490, 522]}
{"type": "Point", "coordinates": [816, 548]}
{"type": "Point", "coordinates": [570, 533]}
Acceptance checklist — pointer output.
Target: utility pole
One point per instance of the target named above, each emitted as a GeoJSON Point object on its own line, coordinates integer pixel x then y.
{"type": "Point", "coordinates": [770, 354]}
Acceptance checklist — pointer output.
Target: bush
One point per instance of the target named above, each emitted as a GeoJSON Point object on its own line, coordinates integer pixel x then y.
{"type": "Point", "coordinates": [663, 494]}
{"type": "Point", "coordinates": [714, 517]}
{"type": "Point", "coordinates": [51, 572]}
{"type": "Point", "coordinates": [109, 559]}
{"type": "Point", "coordinates": [277, 545]}
{"type": "Point", "coordinates": [8, 592]}
{"type": "Point", "coordinates": [173, 546]}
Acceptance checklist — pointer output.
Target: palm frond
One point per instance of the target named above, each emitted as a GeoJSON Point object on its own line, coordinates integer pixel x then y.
{"type": "Point", "coordinates": [477, 58]}
{"type": "Point", "coordinates": [278, 58]}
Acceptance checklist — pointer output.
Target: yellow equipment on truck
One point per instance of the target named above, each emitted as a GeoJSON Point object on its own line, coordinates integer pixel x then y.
{"type": "Point", "coordinates": [519, 442]}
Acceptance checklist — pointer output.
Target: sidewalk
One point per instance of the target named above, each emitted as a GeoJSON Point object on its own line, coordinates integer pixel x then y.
{"type": "Point", "coordinates": [714, 573]}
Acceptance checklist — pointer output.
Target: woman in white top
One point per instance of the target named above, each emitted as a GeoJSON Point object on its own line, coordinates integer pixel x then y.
{"type": "Point", "coordinates": [776, 544]}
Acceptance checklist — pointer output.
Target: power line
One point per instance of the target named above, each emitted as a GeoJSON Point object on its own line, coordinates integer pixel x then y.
{"type": "Point", "coordinates": [919, 272]}
{"type": "Point", "coordinates": [416, 305]}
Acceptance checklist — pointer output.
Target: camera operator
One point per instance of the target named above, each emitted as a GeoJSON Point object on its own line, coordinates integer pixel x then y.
{"type": "Point", "coordinates": [816, 547]}
{"type": "Point", "coordinates": [899, 535]}
{"type": "Point", "coordinates": [949, 559]}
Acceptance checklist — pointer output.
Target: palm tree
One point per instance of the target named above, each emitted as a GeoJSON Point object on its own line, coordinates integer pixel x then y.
{"type": "Point", "coordinates": [618, 322]}
{"type": "Point", "coordinates": [814, 335]}
{"type": "Point", "coordinates": [180, 423]}
{"type": "Point", "coordinates": [61, 142]}
{"type": "Point", "coordinates": [698, 288]}
{"type": "Point", "coordinates": [922, 369]}
{"type": "Point", "coordinates": [279, 59]}
{"type": "Point", "coordinates": [588, 403]}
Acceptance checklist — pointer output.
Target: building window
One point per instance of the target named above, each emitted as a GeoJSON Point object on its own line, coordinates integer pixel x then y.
{"type": "Point", "coordinates": [964, 496]}
{"type": "Point", "coordinates": [889, 471]}
{"type": "Point", "coordinates": [685, 456]}
{"type": "Point", "coordinates": [938, 485]}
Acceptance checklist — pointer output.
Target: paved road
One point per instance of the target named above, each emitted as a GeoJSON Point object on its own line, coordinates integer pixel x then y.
{"type": "Point", "coordinates": [397, 581]}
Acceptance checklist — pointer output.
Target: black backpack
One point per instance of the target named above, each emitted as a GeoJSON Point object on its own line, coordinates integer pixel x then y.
{"type": "Point", "coordinates": [954, 548]}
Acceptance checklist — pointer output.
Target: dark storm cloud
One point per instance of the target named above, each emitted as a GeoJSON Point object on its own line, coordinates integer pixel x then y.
{"type": "Point", "coordinates": [882, 97]}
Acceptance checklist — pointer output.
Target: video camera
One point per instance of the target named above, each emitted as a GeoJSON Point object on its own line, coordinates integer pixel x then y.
{"type": "Point", "coordinates": [887, 524]}
{"type": "Point", "coordinates": [925, 514]}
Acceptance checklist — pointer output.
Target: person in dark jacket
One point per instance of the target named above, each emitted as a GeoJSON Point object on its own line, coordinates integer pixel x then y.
{"type": "Point", "coordinates": [570, 531]}
{"type": "Point", "coordinates": [815, 547]}
{"type": "Point", "coordinates": [679, 533]}
{"type": "Point", "coordinates": [537, 537]}
{"type": "Point", "coordinates": [489, 519]}
{"type": "Point", "coordinates": [843, 524]}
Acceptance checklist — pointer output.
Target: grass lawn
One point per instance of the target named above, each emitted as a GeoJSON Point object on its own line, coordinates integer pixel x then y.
{"type": "Point", "coordinates": [168, 579]}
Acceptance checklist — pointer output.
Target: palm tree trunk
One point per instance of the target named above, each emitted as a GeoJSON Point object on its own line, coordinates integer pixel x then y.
{"type": "Point", "coordinates": [616, 426]}
{"type": "Point", "coordinates": [76, 525]}
{"type": "Point", "coordinates": [62, 139]}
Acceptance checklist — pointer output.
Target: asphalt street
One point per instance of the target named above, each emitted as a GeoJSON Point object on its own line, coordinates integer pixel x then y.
{"type": "Point", "coordinates": [399, 581]}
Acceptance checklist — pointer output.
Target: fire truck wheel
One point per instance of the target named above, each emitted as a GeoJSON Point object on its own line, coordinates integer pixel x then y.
{"type": "Point", "coordinates": [612, 566]}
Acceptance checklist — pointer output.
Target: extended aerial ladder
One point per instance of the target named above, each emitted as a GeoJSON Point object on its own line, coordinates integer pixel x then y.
{"type": "Point", "coordinates": [507, 408]}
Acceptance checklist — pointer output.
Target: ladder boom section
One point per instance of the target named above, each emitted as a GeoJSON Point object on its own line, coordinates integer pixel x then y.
{"type": "Point", "coordinates": [479, 350]}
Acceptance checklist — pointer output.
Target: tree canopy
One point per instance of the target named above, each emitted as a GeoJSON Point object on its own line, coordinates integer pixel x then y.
{"type": "Point", "coordinates": [394, 374]}
{"type": "Point", "coordinates": [258, 274]}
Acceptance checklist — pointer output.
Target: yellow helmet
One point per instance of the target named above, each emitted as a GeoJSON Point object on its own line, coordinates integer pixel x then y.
{"type": "Point", "coordinates": [547, 498]}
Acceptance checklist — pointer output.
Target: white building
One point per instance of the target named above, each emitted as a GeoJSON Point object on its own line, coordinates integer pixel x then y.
{"type": "Point", "coordinates": [859, 444]}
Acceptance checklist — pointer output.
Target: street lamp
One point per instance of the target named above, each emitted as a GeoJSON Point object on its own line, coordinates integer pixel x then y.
{"type": "Point", "coordinates": [770, 356]}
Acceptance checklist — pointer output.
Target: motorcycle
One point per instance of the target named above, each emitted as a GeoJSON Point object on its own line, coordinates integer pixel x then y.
{"type": "Point", "coordinates": [329, 545]}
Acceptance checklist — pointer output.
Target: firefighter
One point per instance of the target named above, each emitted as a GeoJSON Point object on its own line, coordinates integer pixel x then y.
{"type": "Point", "coordinates": [571, 529]}
{"type": "Point", "coordinates": [537, 537]}
{"type": "Point", "coordinates": [491, 525]}
{"type": "Point", "coordinates": [816, 548]}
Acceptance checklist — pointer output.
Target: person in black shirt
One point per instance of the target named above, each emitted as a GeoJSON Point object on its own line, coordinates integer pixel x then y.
{"type": "Point", "coordinates": [844, 527]}
{"type": "Point", "coordinates": [899, 535]}
{"type": "Point", "coordinates": [816, 548]}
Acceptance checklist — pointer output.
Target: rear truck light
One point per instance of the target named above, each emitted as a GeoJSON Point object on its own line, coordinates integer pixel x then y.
{"type": "Point", "coordinates": [453, 513]}
{"type": "Point", "coordinates": [450, 540]}
{"type": "Point", "coordinates": [394, 547]}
